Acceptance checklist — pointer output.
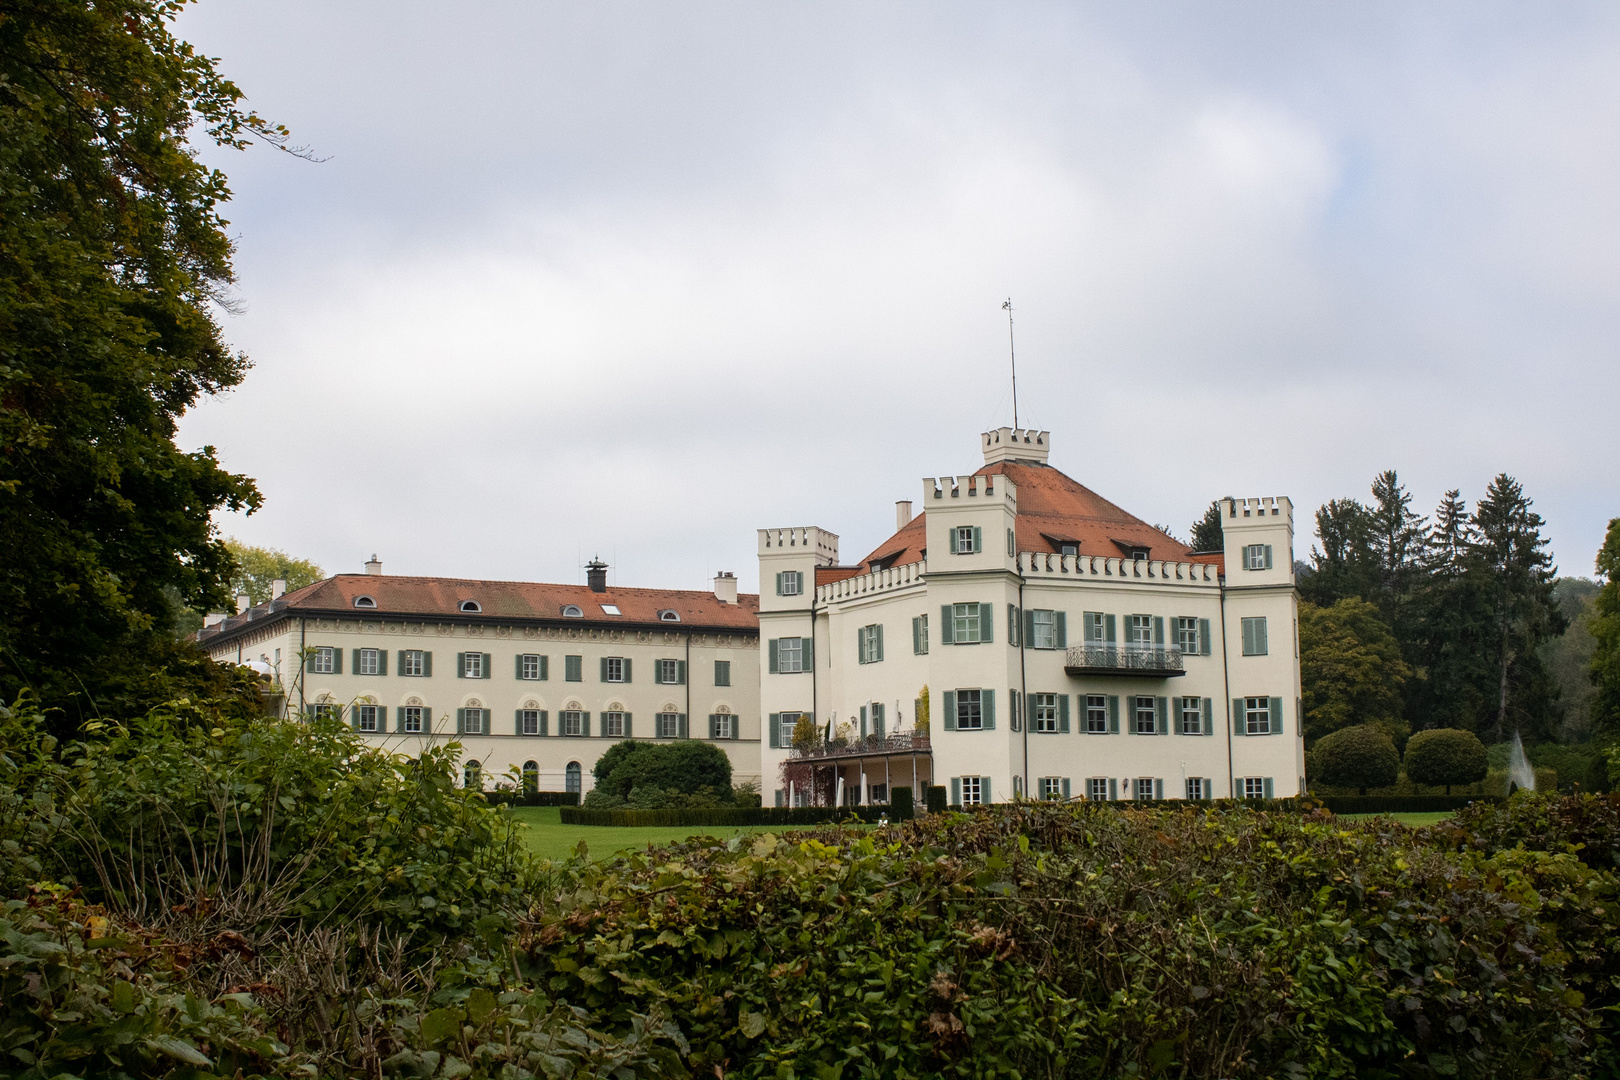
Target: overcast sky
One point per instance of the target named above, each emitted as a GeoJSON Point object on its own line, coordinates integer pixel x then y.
{"type": "Point", "coordinates": [638, 279]}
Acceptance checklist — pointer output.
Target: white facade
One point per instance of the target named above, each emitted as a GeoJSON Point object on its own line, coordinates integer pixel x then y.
{"type": "Point", "coordinates": [1090, 673]}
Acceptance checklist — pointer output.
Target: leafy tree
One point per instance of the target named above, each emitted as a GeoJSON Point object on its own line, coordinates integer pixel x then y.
{"type": "Point", "coordinates": [1446, 756]}
{"type": "Point", "coordinates": [804, 732]}
{"type": "Point", "coordinates": [1350, 667]}
{"type": "Point", "coordinates": [1207, 533]}
{"type": "Point", "coordinates": [1519, 574]}
{"type": "Point", "coordinates": [1605, 628]}
{"type": "Point", "coordinates": [686, 766]}
{"type": "Point", "coordinates": [1360, 757]}
{"type": "Point", "coordinates": [257, 567]}
{"type": "Point", "coordinates": [1345, 565]}
{"type": "Point", "coordinates": [113, 260]}
{"type": "Point", "coordinates": [920, 722]}
{"type": "Point", "coordinates": [1568, 657]}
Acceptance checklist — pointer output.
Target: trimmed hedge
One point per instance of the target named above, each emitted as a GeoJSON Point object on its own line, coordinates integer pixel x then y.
{"type": "Point", "coordinates": [901, 803]}
{"type": "Point", "coordinates": [1401, 804]}
{"type": "Point", "coordinates": [938, 800]}
{"type": "Point", "coordinates": [532, 798]}
{"type": "Point", "coordinates": [727, 815]}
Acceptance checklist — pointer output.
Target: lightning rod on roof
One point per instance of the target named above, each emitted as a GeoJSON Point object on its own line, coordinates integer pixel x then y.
{"type": "Point", "coordinates": [1012, 355]}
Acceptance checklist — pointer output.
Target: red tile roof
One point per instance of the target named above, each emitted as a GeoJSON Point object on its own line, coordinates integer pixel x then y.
{"type": "Point", "coordinates": [1050, 505]}
{"type": "Point", "coordinates": [434, 597]}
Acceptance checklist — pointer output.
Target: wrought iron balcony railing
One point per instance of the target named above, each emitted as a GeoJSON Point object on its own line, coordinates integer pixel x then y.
{"type": "Point", "coordinates": [1144, 662]}
{"type": "Point", "coordinates": [903, 742]}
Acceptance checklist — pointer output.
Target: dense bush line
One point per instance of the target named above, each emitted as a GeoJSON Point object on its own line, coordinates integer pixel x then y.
{"type": "Point", "coordinates": [529, 797]}
{"type": "Point", "coordinates": [732, 816]}
{"type": "Point", "coordinates": [1400, 804]}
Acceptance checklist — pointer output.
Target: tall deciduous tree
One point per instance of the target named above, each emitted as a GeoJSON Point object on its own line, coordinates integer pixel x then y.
{"type": "Point", "coordinates": [1351, 671]}
{"type": "Point", "coordinates": [257, 568]}
{"type": "Point", "coordinates": [113, 261]}
{"type": "Point", "coordinates": [1605, 628]}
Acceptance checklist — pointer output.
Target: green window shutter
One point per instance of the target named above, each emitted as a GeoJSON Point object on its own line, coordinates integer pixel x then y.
{"type": "Point", "coordinates": [947, 626]}
{"type": "Point", "coordinates": [987, 699]}
{"type": "Point", "coordinates": [461, 720]}
{"type": "Point", "coordinates": [1276, 716]}
{"type": "Point", "coordinates": [1266, 783]}
{"type": "Point", "coordinates": [545, 668]}
{"type": "Point", "coordinates": [1108, 634]}
{"type": "Point", "coordinates": [1158, 630]}
{"type": "Point", "coordinates": [1013, 629]}
{"type": "Point", "coordinates": [573, 668]}
{"type": "Point", "coordinates": [878, 726]}
{"type": "Point", "coordinates": [488, 669]}
{"type": "Point", "coordinates": [354, 662]}
{"type": "Point", "coordinates": [1113, 718]}
{"type": "Point", "coordinates": [1113, 789]}
{"type": "Point", "coordinates": [309, 662]}
{"type": "Point", "coordinates": [680, 672]}
{"type": "Point", "coordinates": [683, 725]}
{"type": "Point", "coordinates": [545, 722]}
{"type": "Point", "coordinates": [1162, 707]}
{"type": "Point", "coordinates": [978, 539]}
{"type": "Point", "coordinates": [1029, 709]}
{"type": "Point", "coordinates": [399, 662]}
{"type": "Point", "coordinates": [863, 721]}
{"type": "Point", "coordinates": [809, 652]}
{"type": "Point", "coordinates": [1204, 643]}
{"type": "Point", "coordinates": [1063, 718]}
{"type": "Point", "coordinates": [1066, 787]}
{"type": "Point", "coordinates": [880, 641]}
{"type": "Point", "coordinates": [399, 718]}
{"type": "Point", "coordinates": [1268, 567]}
{"type": "Point", "coordinates": [427, 664]}
{"type": "Point", "coordinates": [602, 663]}
{"type": "Point", "coordinates": [1060, 620]}
{"type": "Point", "coordinates": [382, 661]}
{"type": "Point", "coordinates": [517, 668]}
{"type": "Point", "coordinates": [517, 726]}
{"type": "Point", "coordinates": [956, 791]}
{"type": "Point", "coordinates": [860, 645]}
{"type": "Point", "coordinates": [714, 726]}
{"type": "Point", "coordinates": [984, 782]}
{"type": "Point", "coordinates": [461, 667]}
{"type": "Point", "coordinates": [987, 622]}
{"type": "Point", "coordinates": [354, 715]}
{"type": "Point", "coordinates": [1240, 723]}
{"type": "Point", "coordinates": [916, 636]}
{"type": "Point", "coordinates": [337, 662]}
{"type": "Point", "coordinates": [629, 727]}
{"type": "Point", "coordinates": [1209, 716]}
{"type": "Point", "coordinates": [1158, 789]}
{"type": "Point", "coordinates": [1248, 637]}
{"type": "Point", "coordinates": [1029, 627]}
{"type": "Point", "coordinates": [779, 583]}
{"type": "Point", "coordinates": [950, 710]}
{"type": "Point", "coordinates": [1262, 646]}
{"type": "Point", "coordinates": [626, 669]}
{"type": "Point", "coordinates": [772, 644]}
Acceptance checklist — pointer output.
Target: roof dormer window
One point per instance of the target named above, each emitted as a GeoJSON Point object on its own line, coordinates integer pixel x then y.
{"type": "Point", "coordinates": [572, 611]}
{"type": "Point", "coordinates": [364, 601]}
{"type": "Point", "coordinates": [609, 609]}
{"type": "Point", "coordinates": [470, 607]}
{"type": "Point", "coordinates": [669, 616]}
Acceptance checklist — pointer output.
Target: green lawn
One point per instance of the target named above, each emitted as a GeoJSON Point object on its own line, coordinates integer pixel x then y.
{"type": "Point", "coordinates": [551, 839]}
{"type": "Point", "coordinates": [1426, 818]}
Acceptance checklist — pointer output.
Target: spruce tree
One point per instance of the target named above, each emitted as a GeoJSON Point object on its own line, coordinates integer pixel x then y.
{"type": "Point", "coordinates": [1605, 628]}
{"type": "Point", "coordinates": [1207, 534]}
{"type": "Point", "coordinates": [1453, 626]}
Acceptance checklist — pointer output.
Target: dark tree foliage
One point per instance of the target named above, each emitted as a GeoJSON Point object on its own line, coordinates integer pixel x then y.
{"type": "Point", "coordinates": [1360, 757]}
{"type": "Point", "coordinates": [113, 259]}
{"type": "Point", "coordinates": [1453, 626]}
{"type": "Point", "coordinates": [1207, 533]}
{"type": "Point", "coordinates": [1344, 566]}
{"type": "Point", "coordinates": [686, 766]}
{"type": "Point", "coordinates": [1351, 669]}
{"type": "Point", "coordinates": [1605, 628]}
{"type": "Point", "coordinates": [1446, 756]}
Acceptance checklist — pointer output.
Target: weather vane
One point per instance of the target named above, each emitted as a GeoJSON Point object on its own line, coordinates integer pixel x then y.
{"type": "Point", "coordinates": [1012, 355]}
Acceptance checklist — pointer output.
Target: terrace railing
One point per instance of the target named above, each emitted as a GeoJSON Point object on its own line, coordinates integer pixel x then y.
{"type": "Point", "coordinates": [903, 742]}
{"type": "Point", "coordinates": [1139, 661]}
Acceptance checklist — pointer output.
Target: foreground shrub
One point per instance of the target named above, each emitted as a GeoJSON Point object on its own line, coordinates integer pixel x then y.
{"type": "Point", "coordinates": [1446, 756]}
{"type": "Point", "coordinates": [1359, 757]}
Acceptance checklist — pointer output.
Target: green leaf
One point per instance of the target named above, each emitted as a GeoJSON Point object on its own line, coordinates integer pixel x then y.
{"type": "Point", "coordinates": [177, 1048]}
{"type": "Point", "coordinates": [752, 1024]}
{"type": "Point", "coordinates": [440, 1024]}
{"type": "Point", "coordinates": [480, 1003]}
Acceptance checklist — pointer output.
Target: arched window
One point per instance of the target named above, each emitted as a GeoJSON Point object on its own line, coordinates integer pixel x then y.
{"type": "Point", "coordinates": [531, 776]}
{"type": "Point", "coordinates": [572, 611]}
{"type": "Point", "coordinates": [364, 601]}
{"type": "Point", "coordinates": [472, 775]}
{"type": "Point", "coordinates": [572, 778]}
{"type": "Point", "coordinates": [470, 606]}
{"type": "Point", "coordinates": [669, 616]}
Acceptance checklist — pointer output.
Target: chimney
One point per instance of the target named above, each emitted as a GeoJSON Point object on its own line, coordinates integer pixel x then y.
{"type": "Point", "coordinates": [278, 588]}
{"type": "Point", "coordinates": [902, 514]}
{"type": "Point", "coordinates": [214, 618]}
{"type": "Point", "coordinates": [243, 602]}
{"type": "Point", "coordinates": [373, 566]}
{"type": "Point", "coordinates": [725, 587]}
{"type": "Point", "coordinates": [596, 575]}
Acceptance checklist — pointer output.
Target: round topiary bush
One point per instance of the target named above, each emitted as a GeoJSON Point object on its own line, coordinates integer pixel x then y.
{"type": "Point", "coordinates": [1360, 757]}
{"type": "Point", "coordinates": [1446, 756]}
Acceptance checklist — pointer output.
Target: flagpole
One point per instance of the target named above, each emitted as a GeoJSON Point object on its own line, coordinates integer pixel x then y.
{"type": "Point", "coordinates": [1012, 355]}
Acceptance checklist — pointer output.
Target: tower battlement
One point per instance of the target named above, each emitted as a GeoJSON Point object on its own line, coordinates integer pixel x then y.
{"type": "Point", "coordinates": [1016, 444]}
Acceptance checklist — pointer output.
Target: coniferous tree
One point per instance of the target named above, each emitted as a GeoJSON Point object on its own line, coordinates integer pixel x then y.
{"type": "Point", "coordinates": [1398, 542]}
{"type": "Point", "coordinates": [1605, 628]}
{"type": "Point", "coordinates": [1453, 626]}
{"type": "Point", "coordinates": [1207, 534]}
{"type": "Point", "coordinates": [1345, 566]}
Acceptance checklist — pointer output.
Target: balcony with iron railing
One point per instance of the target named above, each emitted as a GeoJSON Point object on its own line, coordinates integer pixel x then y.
{"type": "Point", "coordinates": [1135, 661]}
{"type": "Point", "coordinates": [901, 742]}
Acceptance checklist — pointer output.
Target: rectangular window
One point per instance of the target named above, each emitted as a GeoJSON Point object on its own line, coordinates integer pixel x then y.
{"type": "Point", "coordinates": [1257, 557]}
{"type": "Point", "coordinates": [1052, 787]}
{"type": "Point", "coordinates": [1139, 631]}
{"type": "Point", "coordinates": [919, 635]}
{"type": "Point", "coordinates": [969, 709]}
{"type": "Point", "coordinates": [1143, 788]}
{"type": "Point", "coordinates": [789, 723]}
{"type": "Point", "coordinates": [792, 583]}
{"type": "Point", "coordinates": [370, 662]}
{"type": "Point", "coordinates": [529, 667]}
{"type": "Point", "coordinates": [1046, 712]}
{"type": "Point", "coordinates": [1097, 714]}
{"type": "Point", "coordinates": [1044, 627]}
{"type": "Point", "coordinates": [965, 618]}
{"type": "Point", "coordinates": [411, 662]}
{"type": "Point", "coordinates": [1254, 787]}
{"type": "Point", "coordinates": [722, 673]}
{"type": "Point", "coordinates": [1095, 623]}
{"type": "Point", "coordinates": [1197, 787]}
{"type": "Point", "coordinates": [1187, 635]}
{"type": "Point", "coordinates": [964, 539]}
{"type": "Point", "coordinates": [669, 725]}
{"type": "Point", "coordinates": [1254, 637]}
{"type": "Point", "coordinates": [324, 661]}
{"type": "Point", "coordinates": [613, 725]}
{"type": "Point", "coordinates": [410, 719]}
{"type": "Point", "coordinates": [574, 668]}
{"type": "Point", "coordinates": [472, 665]}
{"type": "Point", "coordinates": [1192, 716]}
{"type": "Point", "coordinates": [790, 655]}
{"type": "Point", "coordinates": [1147, 718]}
{"type": "Point", "coordinates": [725, 726]}
{"type": "Point", "coordinates": [972, 790]}
{"type": "Point", "coordinates": [529, 721]}
{"type": "Point", "coordinates": [1257, 715]}
{"type": "Point", "coordinates": [869, 640]}
{"type": "Point", "coordinates": [325, 712]}
{"type": "Point", "coordinates": [571, 722]}
{"type": "Point", "coordinates": [613, 669]}
{"type": "Point", "coordinates": [1097, 789]}
{"type": "Point", "coordinates": [473, 721]}
{"type": "Point", "coordinates": [366, 716]}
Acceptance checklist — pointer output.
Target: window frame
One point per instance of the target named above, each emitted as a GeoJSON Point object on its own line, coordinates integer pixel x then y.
{"type": "Point", "coordinates": [1256, 636]}
{"type": "Point", "coordinates": [472, 665]}
{"type": "Point", "coordinates": [1038, 639]}
{"type": "Point", "coordinates": [467, 718]}
{"type": "Point", "coordinates": [327, 655]}
{"type": "Point", "coordinates": [1251, 710]}
{"type": "Point", "coordinates": [377, 724]}
{"type": "Point", "coordinates": [574, 718]}
{"type": "Point", "coordinates": [722, 673]}
{"type": "Point", "coordinates": [524, 661]}
{"type": "Point", "coordinates": [1135, 624]}
{"type": "Point", "coordinates": [1138, 711]}
{"type": "Point", "coordinates": [1186, 634]}
{"type": "Point", "coordinates": [672, 720]}
{"type": "Point", "coordinates": [613, 724]}
{"type": "Point", "coordinates": [613, 668]}
{"type": "Point", "coordinates": [525, 716]}
{"type": "Point", "coordinates": [1045, 718]}
{"type": "Point", "coordinates": [420, 719]}
{"type": "Point", "coordinates": [725, 726]}
{"type": "Point", "coordinates": [1097, 712]}
{"type": "Point", "coordinates": [792, 583]}
{"type": "Point", "coordinates": [1097, 788]}
{"type": "Point", "coordinates": [1050, 787]}
{"type": "Point", "coordinates": [977, 791]}
{"type": "Point", "coordinates": [669, 671]}
{"type": "Point", "coordinates": [1197, 788]}
{"type": "Point", "coordinates": [963, 615]}
{"type": "Point", "coordinates": [1254, 787]}
{"type": "Point", "coordinates": [375, 658]}
{"type": "Point", "coordinates": [413, 663]}
{"type": "Point", "coordinates": [787, 722]}
{"type": "Point", "coordinates": [782, 650]}
{"type": "Point", "coordinates": [1140, 784]}
{"type": "Point", "coordinates": [977, 711]}
{"type": "Point", "coordinates": [1195, 711]}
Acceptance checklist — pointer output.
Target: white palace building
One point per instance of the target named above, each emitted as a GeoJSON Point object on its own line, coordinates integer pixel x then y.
{"type": "Point", "coordinates": [1063, 647]}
